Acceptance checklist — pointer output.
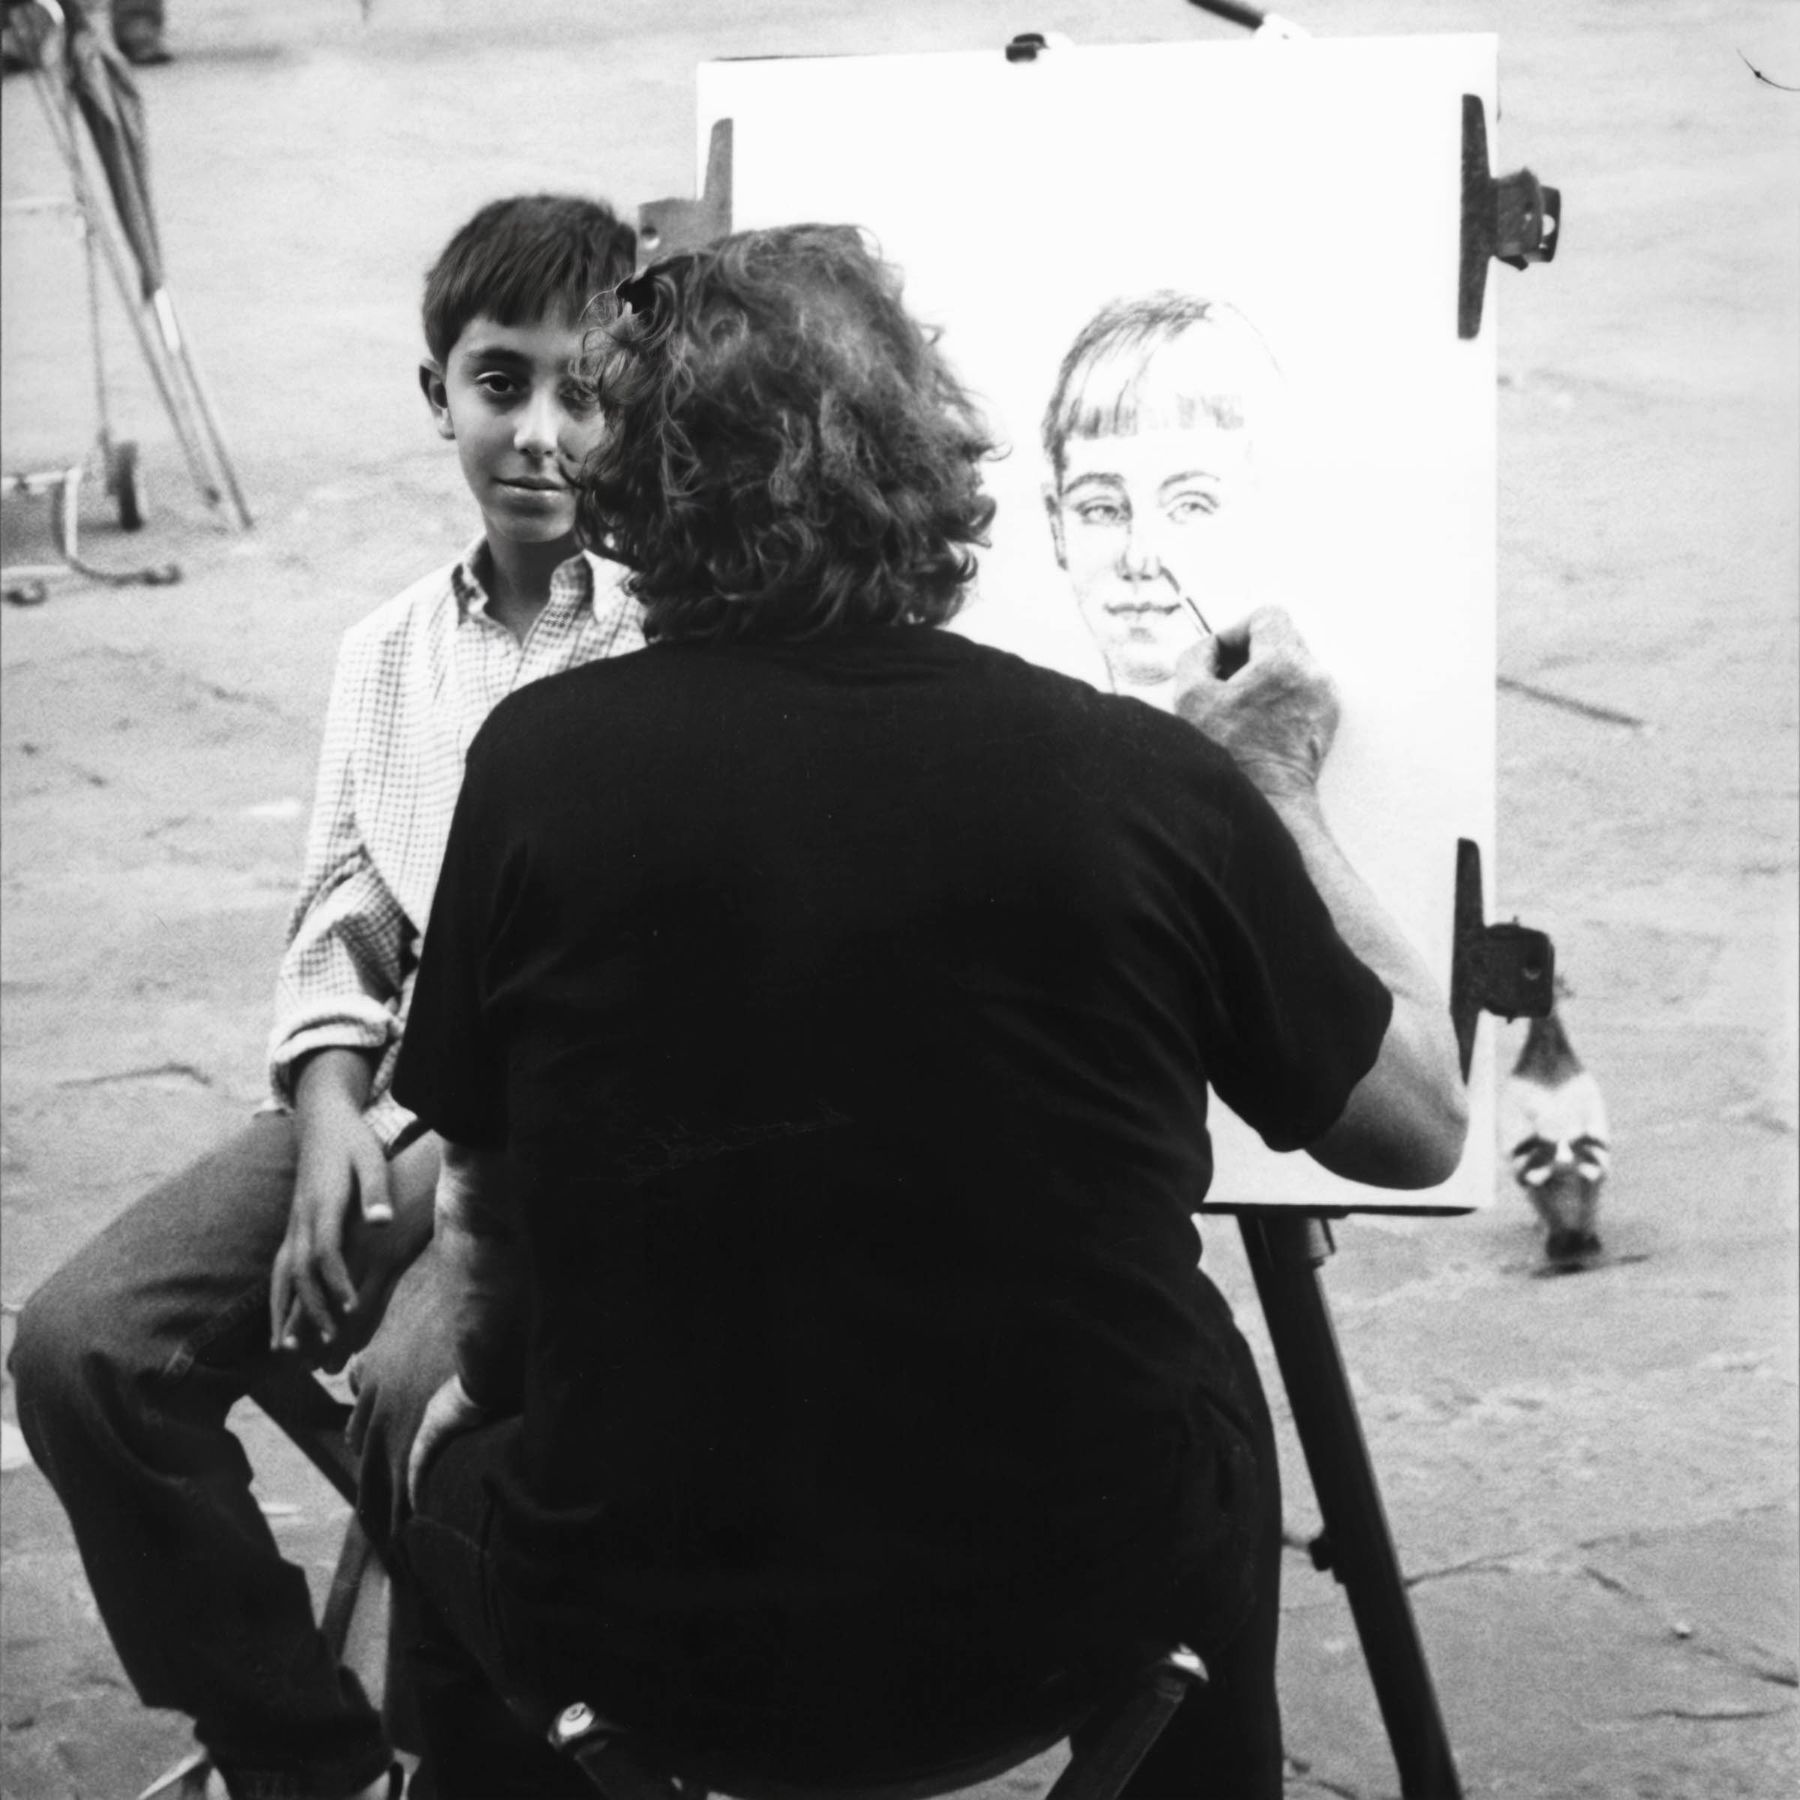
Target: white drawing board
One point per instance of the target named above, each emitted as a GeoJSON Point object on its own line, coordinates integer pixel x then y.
{"type": "Point", "coordinates": [1313, 188]}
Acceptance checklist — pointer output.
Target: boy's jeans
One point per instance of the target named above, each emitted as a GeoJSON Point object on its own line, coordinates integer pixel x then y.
{"type": "Point", "coordinates": [126, 1363]}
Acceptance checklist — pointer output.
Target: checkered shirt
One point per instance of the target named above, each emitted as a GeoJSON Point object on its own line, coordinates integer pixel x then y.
{"type": "Point", "coordinates": [414, 682]}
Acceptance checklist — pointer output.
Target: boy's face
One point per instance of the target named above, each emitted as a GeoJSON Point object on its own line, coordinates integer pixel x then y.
{"type": "Point", "coordinates": [1150, 526]}
{"type": "Point", "coordinates": [522, 422]}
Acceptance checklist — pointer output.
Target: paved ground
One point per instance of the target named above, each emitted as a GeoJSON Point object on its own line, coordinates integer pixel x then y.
{"type": "Point", "coordinates": [1592, 1480]}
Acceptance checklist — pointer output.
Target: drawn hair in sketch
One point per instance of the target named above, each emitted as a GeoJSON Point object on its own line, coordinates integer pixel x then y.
{"type": "Point", "coordinates": [1209, 362]}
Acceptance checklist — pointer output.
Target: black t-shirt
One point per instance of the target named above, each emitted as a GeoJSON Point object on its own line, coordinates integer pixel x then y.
{"type": "Point", "coordinates": [849, 1010]}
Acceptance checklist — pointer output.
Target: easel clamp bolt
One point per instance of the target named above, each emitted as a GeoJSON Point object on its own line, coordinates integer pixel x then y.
{"type": "Point", "coordinates": [1527, 216]}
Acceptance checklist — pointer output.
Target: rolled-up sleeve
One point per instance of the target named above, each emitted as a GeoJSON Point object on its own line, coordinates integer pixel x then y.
{"type": "Point", "coordinates": [344, 977]}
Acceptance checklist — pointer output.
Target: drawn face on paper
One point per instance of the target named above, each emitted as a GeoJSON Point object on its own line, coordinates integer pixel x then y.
{"type": "Point", "coordinates": [1150, 529]}
{"type": "Point", "coordinates": [1152, 503]}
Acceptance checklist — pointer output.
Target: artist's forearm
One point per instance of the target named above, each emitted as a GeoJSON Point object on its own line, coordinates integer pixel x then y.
{"type": "Point", "coordinates": [483, 1273]}
{"type": "Point", "coordinates": [1362, 921]}
{"type": "Point", "coordinates": [1407, 1120]}
{"type": "Point", "coordinates": [484, 1282]}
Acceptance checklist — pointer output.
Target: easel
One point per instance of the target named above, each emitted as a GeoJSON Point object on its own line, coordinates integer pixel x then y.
{"type": "Point", "coordinates": [1503, 968]}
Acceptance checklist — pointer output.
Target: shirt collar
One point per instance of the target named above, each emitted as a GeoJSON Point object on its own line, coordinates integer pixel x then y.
{"type": "Point", "coordinates": [571, 582]}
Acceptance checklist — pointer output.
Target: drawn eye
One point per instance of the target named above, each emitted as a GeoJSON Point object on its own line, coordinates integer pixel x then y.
{"type": "Point", "coordinates": [1101, 512]}
{"type": "Point", "coordinates": [1185, 508]}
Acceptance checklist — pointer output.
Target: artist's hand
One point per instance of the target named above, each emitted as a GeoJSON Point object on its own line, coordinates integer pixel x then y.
{"type": "Point", "coordinates": [448, 1413]}
{"type": "Point", "coordinates": [1259, 692]}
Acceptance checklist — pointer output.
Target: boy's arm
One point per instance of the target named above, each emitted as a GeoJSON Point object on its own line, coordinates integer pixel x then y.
{"type": "Point", "coordinates": [337, 1003]}
{"type": "Point", "coordinates": [351, 1227]}
{"type": "Point", "coordinates": [345, 966]}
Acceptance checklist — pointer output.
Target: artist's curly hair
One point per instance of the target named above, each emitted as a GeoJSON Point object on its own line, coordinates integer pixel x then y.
{"type": "Point", "coordinates": [787, 454]}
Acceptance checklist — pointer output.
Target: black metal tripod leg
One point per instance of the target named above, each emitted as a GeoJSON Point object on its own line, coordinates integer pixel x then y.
{"type": "Point", "coordinates": [1285, 1251]}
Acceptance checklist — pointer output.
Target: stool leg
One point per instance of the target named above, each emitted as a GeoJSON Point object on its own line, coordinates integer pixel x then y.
{"type": "Point", "coordinates": [355, 1555]}
{"type": "Point", "coordinates": [187, 1780]}
{"type": "Point", "coordinates": [299, 1403]}
{"type": "Point", "coordinates": [1127, 1730]}
{"type": "Point", "coordinates": [1285, 1251]}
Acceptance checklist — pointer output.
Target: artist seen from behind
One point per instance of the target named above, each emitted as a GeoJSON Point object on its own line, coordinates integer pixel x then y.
{"type": "Point", "coordinates": [819, 1011]}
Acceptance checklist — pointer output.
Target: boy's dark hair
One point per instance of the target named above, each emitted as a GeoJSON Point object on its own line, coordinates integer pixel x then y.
{"type": "Point", "coordinates": [787, 453]}
{"type": "Point", "coordinates": [520, 260]}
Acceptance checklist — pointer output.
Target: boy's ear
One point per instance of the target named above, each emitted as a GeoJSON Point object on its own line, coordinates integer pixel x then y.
{"type": "Point", "coordinates": [437, 396]}
{"type": "Point", "coordinates": [1053, 511]}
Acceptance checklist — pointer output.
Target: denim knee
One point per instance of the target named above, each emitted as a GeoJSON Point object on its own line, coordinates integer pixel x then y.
{"type": "Point", "coordinates": [60, 1367]}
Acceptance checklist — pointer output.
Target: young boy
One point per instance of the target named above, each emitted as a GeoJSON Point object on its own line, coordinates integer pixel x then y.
{"type": "Point", "coordinates": [1150, 435]}
{"type": "Point", "coordinates": [287, 1240]}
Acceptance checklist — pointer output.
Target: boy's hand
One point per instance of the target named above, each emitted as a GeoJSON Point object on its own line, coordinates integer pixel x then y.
{"type": "Point", "coordinates": [342, 1171]}
{"type": "Point", "coordinates": [344, 1245]}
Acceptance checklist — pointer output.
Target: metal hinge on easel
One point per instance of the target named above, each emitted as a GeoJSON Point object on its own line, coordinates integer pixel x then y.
{"type": "Point", "coordinates": [1513, 219]}
{"type": "Point", "coordinates": [1508, 969]}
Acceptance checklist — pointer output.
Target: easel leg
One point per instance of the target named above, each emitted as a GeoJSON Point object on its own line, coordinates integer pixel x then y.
{"type": "Point", "coordinates": [1285, 1252]}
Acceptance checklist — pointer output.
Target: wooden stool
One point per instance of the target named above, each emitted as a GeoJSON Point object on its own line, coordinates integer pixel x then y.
{"type": "Point", "coordinates": [1120, 1731]}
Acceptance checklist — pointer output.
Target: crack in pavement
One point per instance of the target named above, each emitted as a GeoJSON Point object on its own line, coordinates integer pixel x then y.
{"type": "Point", "coordinates": [1499, 1562]}
{"type": "Point", "coordinates": [1751, 1660]}
{"type": "Point", "coordinates": [1712, 1714]}
{"type": "Point", "coordinates": [148, 1073]}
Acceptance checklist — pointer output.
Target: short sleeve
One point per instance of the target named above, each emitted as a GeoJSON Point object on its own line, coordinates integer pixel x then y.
{"type": "Point", "coordinates": [453, 1068]}
{"type": "Point", "coordinates": [1299, 1017]}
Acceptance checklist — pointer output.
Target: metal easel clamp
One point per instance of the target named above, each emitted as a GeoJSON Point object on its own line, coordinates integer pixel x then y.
{"type": "Point", "coordinates": [1508, 969]}
{"type": "Point", "coordinates": [669, 227]}
{"type": "Point", "coordinates": [1513, 218]}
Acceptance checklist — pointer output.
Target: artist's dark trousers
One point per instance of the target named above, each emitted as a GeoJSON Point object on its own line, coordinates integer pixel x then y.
{"type": "Point", "coordinates": [468, 1638]}
{"type": "Point", "coordinates": [467, 1642]}
{"type": "Point", "coordinates": [1225, 1742]}
{"type": "Point", "coordinates": [126, 1363]}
